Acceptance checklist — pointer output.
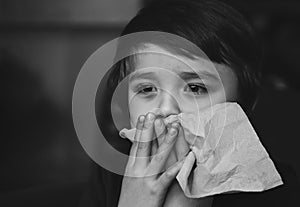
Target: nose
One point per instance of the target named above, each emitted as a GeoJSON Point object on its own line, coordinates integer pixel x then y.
{"type": "Point", "coordinates": [168, 104]}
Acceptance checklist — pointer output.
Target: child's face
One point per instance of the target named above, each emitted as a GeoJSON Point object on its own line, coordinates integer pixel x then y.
{"type": "Point", "coordinates": [166, 85]}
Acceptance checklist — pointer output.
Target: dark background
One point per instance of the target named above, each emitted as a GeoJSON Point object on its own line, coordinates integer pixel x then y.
{"type": "Point", "coordinates": [44, 43]}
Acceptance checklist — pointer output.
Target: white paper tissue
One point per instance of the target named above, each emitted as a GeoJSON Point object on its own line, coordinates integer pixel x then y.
{"type": "Point", "coordinates": [228, 154]}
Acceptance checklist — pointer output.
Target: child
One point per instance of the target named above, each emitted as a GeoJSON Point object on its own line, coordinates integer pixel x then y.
{"type": "Point", "coordinates": [161, 83]}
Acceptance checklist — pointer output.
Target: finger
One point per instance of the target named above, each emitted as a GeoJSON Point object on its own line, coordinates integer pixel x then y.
{"type": "Point", "coordinates": [181, 146]}
{"type": "Point", "coordinates": [134, 146]}
{"type": "Point", "coordinates": [168, 176]}
{"type": "Point", "coordinates": [154, 146]}
{"type": "Point", "coordinates": [144, 143]}
{"type": "Point", "coordinates": [160, 130]}
{"type": "Point", "coordinates": [163, 151]}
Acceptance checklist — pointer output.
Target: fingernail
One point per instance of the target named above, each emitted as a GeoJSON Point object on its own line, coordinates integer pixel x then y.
{"type": "Point", "coordinates": [150, 117]}
{"type": "Point", "coordinates": [141, 119]}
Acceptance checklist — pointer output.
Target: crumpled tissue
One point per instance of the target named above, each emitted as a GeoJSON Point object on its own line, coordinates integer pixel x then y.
{"type": "Point", "coordinates": [227, 153]}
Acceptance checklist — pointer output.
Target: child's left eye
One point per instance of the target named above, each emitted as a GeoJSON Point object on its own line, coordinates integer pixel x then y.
{"type": "Point", "coordinates": [197, 89]}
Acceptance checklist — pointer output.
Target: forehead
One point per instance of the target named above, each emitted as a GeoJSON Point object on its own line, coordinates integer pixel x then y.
{"type": "Point", "coordinates": [152, 56]}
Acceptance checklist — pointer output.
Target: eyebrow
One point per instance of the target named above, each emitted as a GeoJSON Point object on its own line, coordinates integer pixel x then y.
{"type": "Point", "coordinates": [142, 75]}
{"type": "Point", "coordinates": [193, 75]}
{"type": "Point", "coordinates": [183, 75]}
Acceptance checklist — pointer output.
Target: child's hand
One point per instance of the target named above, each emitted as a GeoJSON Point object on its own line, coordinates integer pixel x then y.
{"type": "Point", "coordinates": [147, 186]}
{"type": "Point", "coordinates": [176, 198]}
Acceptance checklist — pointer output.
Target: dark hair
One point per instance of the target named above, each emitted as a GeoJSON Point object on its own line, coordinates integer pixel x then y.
{"type": "Point", "coordinates": [217, 29]}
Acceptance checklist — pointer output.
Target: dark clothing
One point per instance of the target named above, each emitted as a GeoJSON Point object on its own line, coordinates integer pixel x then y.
{"type": "Point", "coordinates": [104, 190]}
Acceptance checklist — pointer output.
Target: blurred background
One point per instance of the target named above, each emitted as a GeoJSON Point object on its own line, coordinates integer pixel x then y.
{"type": "Point", "coordinates": [44, 43]}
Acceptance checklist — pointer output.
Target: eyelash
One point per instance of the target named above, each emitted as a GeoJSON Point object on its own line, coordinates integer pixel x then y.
{"type": "Point", "coordinates": [199, 87]}
{"type": "Point", "coordinates": [141, 88]}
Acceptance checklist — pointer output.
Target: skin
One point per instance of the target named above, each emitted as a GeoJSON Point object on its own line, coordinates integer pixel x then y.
{"type": "Point", "coordinates": [165, 84]}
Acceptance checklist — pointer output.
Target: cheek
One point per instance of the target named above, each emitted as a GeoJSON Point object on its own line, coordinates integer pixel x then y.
{"type": "Point", "coordinates": [231, 91]}
{"type": "Point", "coordinates": [192, 104]}
{"type": "Point", "coordinates": [206, 101]}
{"type": "Point", "coordinates": [137, 108]}
{"type": "Point", "coordinates": [198, 104]}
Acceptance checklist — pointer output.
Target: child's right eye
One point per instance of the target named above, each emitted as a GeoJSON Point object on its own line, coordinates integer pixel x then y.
{"type": "Point", "coordinates": [146, 90]}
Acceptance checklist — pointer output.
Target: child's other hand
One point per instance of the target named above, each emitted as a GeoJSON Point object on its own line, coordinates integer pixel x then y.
{"type": "Point", "coordinates": [146, 186]}
{"type": "Point", "coordinates": [176, 197]}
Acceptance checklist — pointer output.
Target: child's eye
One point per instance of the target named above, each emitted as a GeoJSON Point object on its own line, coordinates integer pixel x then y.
{"type": "Point", "coordinates": [197, 89]}
{"type": "Point", "coordinates": [146, 90]}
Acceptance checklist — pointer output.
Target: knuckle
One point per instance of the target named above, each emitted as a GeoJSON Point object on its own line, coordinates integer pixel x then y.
{"type": "Point", "coordinates": [159, 128]}
{"type": "Point", "coordinates": [160, 138]}
{"type": "Point", "coordinates": [158, 157]}
{"type": "Point", "coordinates": [168, 175]}
{"type": "Point", "coordinates": [157, 123]}
{"type": "Point", "coordinates": [134, 144]}
{"type": "Point", "coordinates": [136, 172]}
{"type": "Point", "coordinates": [154, 189]}
{"type": "Point", "coordinates": [160, 133]}
{"type": "Point", "coordinates": [147, 125]}
{"type": "Point", "coordinates": [170, 138]}
{"type": "Point", "coordinates": [143, 145]}
{"type": "Point", "coordinates": [139, 126]}
{"type": "Point", "coordinates": [130, 172]}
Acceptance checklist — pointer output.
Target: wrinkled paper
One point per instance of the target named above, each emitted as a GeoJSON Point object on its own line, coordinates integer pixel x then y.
{"type": "Point", "coordinates": [227, 153]}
